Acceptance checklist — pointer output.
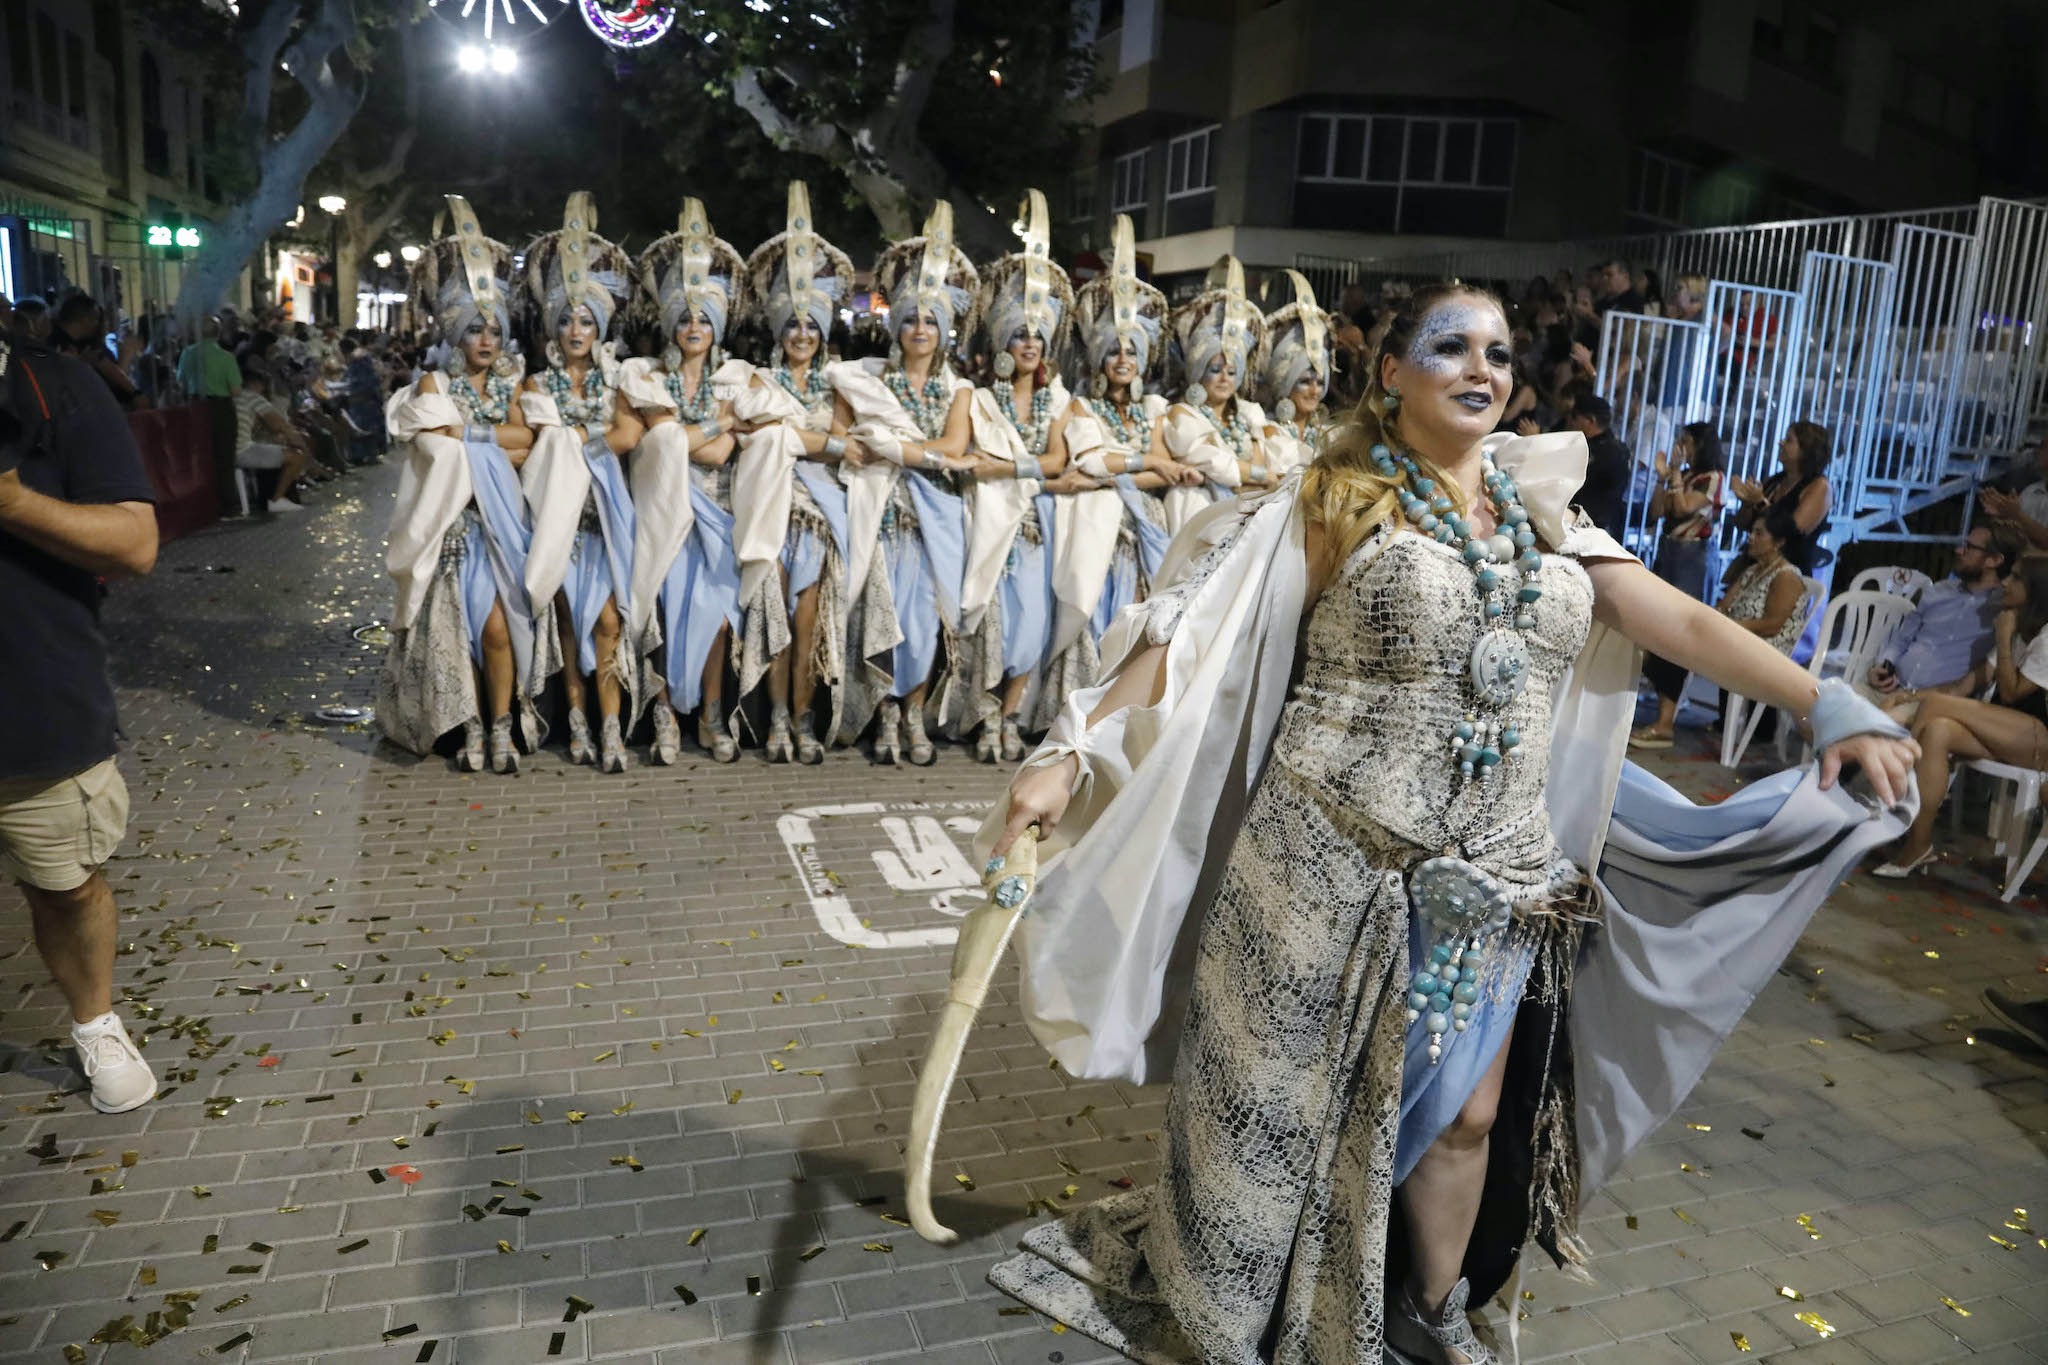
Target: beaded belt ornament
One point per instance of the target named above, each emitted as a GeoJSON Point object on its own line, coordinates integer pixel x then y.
{"type": "Point", "coordinates": [1466, 905]}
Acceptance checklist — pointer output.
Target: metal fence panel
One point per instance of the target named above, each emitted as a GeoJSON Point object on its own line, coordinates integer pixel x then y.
{"type": "Point", "coordinates": [1840, 366]}
{"type": "Point", "coordinates": [1744, 377]}
{"type": "Point", "coordinates": [1647, 369]}
{"type": "Point", "coordinates": [1998, 380]}
{"type": "Point", "coordinates": [1909, 439]}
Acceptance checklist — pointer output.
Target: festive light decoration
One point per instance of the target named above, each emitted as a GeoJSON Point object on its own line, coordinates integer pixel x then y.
{"type": "Point", "coordinates": [628, 23]}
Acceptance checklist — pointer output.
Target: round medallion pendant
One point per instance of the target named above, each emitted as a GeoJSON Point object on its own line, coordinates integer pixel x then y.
{"type": "Point", "coordinates": [1500, 667]}
{"type": "Point", "coordinates": [1460, 899]}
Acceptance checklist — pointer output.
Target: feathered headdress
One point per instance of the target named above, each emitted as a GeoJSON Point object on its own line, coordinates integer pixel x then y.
{"type": "Point", "coordinates": [1025, 292]}
{"type": "Point", "coordinates": [1219, 321]}
{"type": "Point", "coordinates": [461, 277]}
{"type": "Point", "coordinates": [574, 267]}
{"type": "Point", "coordinates": [692, 272]}
{"type": "Point", "coordinates": [797, 273]}
{"type": "Point", "coordinates": [1118, 306]}
{"type": "Point", "coordinates": [929, 274]}
{"type": "Point", "coordinates": [1297, 341]}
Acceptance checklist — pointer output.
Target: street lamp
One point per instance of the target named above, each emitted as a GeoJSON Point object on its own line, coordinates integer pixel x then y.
{"type": "Point", "coordinates": [470, 58]}
{"type": "Point", "coordinates": [409, 254]}
{"type": "Point", "coordinates": [333, 203]}
{"type": "Point", "coordinates": [383, 260]}
{"type": "Point", "coordinates": [504, 61]}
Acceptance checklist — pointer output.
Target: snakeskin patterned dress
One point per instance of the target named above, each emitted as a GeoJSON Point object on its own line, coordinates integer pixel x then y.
{"type": "Point", "coordinates": [1301, 1093]}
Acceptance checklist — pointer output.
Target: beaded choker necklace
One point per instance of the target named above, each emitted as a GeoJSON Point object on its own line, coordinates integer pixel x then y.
{"type": "Point", "coordinates": [928, 410]}
{"type": "Point", "coordinates": [1037, 433]}
{"type": "Point", "coordinates": [493, 406]}
{"type": "Point", "coordinates": [697, 406]}
{"type": "Point", "coordinates": [592, 405]}
{"type": "Point", "coordinates": [1237, 432]}
{"type": "Point", "coordinates": [1115, 415]}
{"type": "Point", "coordinates": [811, 392]}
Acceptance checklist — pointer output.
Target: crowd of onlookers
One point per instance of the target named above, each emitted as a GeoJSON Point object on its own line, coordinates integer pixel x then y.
{"type": "Point", "coordinates": [292, 403]}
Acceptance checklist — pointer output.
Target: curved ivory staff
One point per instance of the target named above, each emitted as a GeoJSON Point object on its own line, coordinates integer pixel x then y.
{"type": "Point", "coordinates": [983, 936]}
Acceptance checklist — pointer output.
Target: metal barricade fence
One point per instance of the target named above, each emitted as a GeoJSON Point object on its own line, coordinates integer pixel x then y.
{"type": "Point", "coordinates": [1842, 343]}
{"type": "Point", "coordinates": [1742, 378]}
{"type": "Point", "coordinates": [1911, 421]}
{"type": "Point", "coordinates": [1645, 370]}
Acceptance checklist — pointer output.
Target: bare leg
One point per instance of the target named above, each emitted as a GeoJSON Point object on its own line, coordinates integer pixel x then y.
{"type": "Point", "coordinates": [291, 470]}
{"type": "Point", "coordinates": [1961, 727]}
{"type": "Point", "coordinates": [498, 664]}
{"type": "Point", "coordinates": [714, 675]}
{"type": "Point", "coordinates": [1013, 693]}
{"type": "Point", "coordinates": [780, 667]}
{"type": "Point", "coordinates": [75, 933]}
{"type": "Point", "coordinates": [572, 671]}
{"type": "Point", "coordinates": [1441, 1195]}
{"type": "Point", "coordinates": [805, 629]}
{"type": "Point", "coordinates": [605, 636]}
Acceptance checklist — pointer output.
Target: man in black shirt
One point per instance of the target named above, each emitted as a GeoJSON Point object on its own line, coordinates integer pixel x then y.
{"type": "Point", "coordinates": [75, 507]}
{"type": "Point", "coordinates": [1609, 466]}
{"type": "Point", "coordinates": [1614, 290]}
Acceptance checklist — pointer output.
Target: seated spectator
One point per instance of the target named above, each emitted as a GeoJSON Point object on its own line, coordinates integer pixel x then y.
{"type": "Point", "coordinates": [266, 440]}
{"type": "Point", "coordinates": [2027, 510]}
{"type": "Point", "coordinates": [2008, 730]}
{"type": "Point", "coordinates": [1764, 599]}
{"type": "Point", "coordinates": [1616, 289]}
{"type": "Point", "coordinates": [1943, 645]}
{"type": "Point", "coordinates": [1609, 466]}
{"type": "Point", "coordinates": [1691, 482]}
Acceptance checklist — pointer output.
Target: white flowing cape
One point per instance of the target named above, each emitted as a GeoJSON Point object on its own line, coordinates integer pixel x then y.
{"type": "Point", "coordinates": [1087, 524]}
{"type": "Point", "coordinates": [1698, 911]}
{"type": "Point", "coordinates": [1194, 441]}
{"type": "Point", "coordinates": [659, 479]}
{"type": "Point", "coordinates": [996, 506]}
{"type": "Point", "coordinates": [880, 424]}
{"type": "Point", "coordinates": [433, 488]}
{"type": "Point", "coordinates": [762, 470]}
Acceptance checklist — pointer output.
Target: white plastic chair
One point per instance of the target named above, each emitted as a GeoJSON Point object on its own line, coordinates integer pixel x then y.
{"type": "Point", "coordinates": [1866, 622]}
{"type": "Point", "coordinates": [1900, 582]}
{"type": "Point", "coordinates": [2016, 875]}
{"type": "Point", "coordinates": [1739, 721]}
{"type": "Point", "coordinates": [2013, 807]}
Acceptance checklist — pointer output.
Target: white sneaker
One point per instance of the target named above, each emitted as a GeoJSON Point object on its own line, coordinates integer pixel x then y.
{"type": "Point", "coordinates": [284, 505]}
{"type": "Point", "coordinates": [121, 1080]}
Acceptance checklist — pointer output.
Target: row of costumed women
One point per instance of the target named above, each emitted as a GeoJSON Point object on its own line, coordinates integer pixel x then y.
{"type": "Point", "coordinates": [941, 558]}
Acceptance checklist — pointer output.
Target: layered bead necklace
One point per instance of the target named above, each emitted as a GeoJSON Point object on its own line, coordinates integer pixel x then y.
{"type": "Point", "coordinates": [493, 406]}
{"type": "Point", "coordinates": [593, 405]}
{"type": "Point", "coordinates": [697, 406]}
{"type": "Point", "coordinates": [1112, 413]}
{"type": "Point", "coordinates": [1463, 903]}
{"type": "Point", "coordinates": [1236, 431]}
{"type": "Point", "coordinates": [931, 409]}
{"type": "Point", "coordinates": [811, 392]}
{"type": "Point", "coordinates": [1038, 432]}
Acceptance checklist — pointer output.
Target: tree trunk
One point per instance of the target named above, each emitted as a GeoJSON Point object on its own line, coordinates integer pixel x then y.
{"type": "Point", "coordinates": [284, 163]}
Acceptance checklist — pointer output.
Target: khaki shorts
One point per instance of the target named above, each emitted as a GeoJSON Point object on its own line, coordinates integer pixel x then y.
{"type": "Point", "coordinates": [55, 835]}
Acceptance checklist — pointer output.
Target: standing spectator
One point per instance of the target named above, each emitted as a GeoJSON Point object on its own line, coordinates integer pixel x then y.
{"type": "Point", "coordinates": [1616, 289]}
{"type": "Point", "coordinates": [1692, 485]}
{"type": "Point", "coordinates": [365, 404]}
{"type": "Point", "coordinates": [266, 440]}
{"type": "Point", "coordinates": [207, 373]}
{"type": "Point", "coordinates": [1800, 487]}
{"type": "Point", "coordinates": [1946, 640]}
{"type": "Point", "coordinates": [1609, 467]}
{"type": "Point", "coordinates": [75, 506]}
{"type": "Point", "coordinates": [80, 331]}
{"type": "Point", "coordinates": [32, 318]}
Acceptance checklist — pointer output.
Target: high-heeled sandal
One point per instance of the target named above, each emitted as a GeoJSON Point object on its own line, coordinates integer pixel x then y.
{"type": "Point", "coordinates": [808, 750]}
{"type": "Point", "coordinates": [889, 733]}
{"type": "Point", "coordinates": [1443, 1338]}
{"type": "Point", "coordinates": [1013, 740]}
{"type": "Point", "coordinates": [922, 753]}
{"type": "Point", "coordinates": [504, 751]}
{"type": "Point", "coordinates": [470, 758]}
{"type": "Point", "coordinates": [614, 746]}
{"type": "Point", "coordinates": [988, 745]}
{"type": "Point", "coordinates": [781, 746]}
{"type": "Point", "coordinates": [581, 747]}
{"type": "Point", "coordinates": [668, 736]}
{"type": "Point", "coordinates": [713, 738]}
{"type": "Point", "coordinates": [1893, 871]}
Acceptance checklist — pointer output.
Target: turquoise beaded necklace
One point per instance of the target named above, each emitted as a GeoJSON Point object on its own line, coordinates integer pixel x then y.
{"type": "Point", "coordinates": [1114, 415]}
{"type": "Point", "coordinates": [1037, 434]}
{"type": "Point", "coordinates": [931, 409]}
{"type": "Point", "coordinates": [812, 390]}
{"type": "Point", "coordinates": [583, 408]}
{"type": "Point", "coordinates": [1236, 431]}
{"type": "Point", "coordinates": [697, 406]}
{"type": "Point", "coordinates": [493, 406]}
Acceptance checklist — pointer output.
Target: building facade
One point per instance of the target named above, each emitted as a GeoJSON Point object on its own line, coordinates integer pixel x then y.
{"type": "Point", "coordinates": [1290, 132]}
{"type": "Point", "coordinates": [105, 177]}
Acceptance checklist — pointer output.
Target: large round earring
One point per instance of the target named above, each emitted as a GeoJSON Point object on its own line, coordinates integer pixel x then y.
{"type": "Point", "coordinates": [1137, 389]}
{"type": "Point", "coordinates": [1194, 396]}
{"type": "Point", "coordinates": [1284, 409]}
{"type": "Point", "coordinates": [1006, 365]}
{"type": "Point", "coordinates": [506, 365]}
{"type": "Point", "coordinates": [895, 355]}
{"type": "Point", "coordinates": [672, 358]}
{"type": "Point", "coordinates": [556, 360]}
{"type": "Point", "coordinates": [1100, 387]}
{"type": "Point", "coordinates": [1391, 404]}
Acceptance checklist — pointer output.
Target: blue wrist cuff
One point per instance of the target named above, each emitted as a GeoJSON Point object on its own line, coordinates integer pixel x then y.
{"type": "Point", "coordinates": [1840, 712]}
{"type": "Point", "coordinates": [482, 434]}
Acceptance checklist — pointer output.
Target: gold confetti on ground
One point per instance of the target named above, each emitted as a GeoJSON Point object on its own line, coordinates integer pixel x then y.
{"type": "Point", "coordinates": [966, 1182]}
{"type": "Point", "coordinates": [2008, 1245]}
{"type": "Point", "coordinates": [1786, 1291]}
{"type": "Point", "coordinates": [1953, 1306]}
{"type": "Point", "coordinates": [1805, 1220]}
{"type": "Point", "coordinates": [1741, 1342]}
{"type": "Point", "coordinates": [1686, 1218]}
{"type": "Point", "coordinates": [812, 1254]}
{"type": "Point", "coordinates": [876, 1246]}
{"type": "Point", "coordinates": [695, 1237]}
{"type": "Point", "coordinates": [1818, 1324]}
{"type": "Point", "coordinates": [1701, 1127]}
{"type": "Point", "coordinates": [1634, 1223]}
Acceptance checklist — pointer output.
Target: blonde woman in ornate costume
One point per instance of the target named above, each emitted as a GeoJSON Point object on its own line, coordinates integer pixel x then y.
{"type": "Point", "coordinates": [789, 510]}
{"type": "Point", "coordinates": [1007, 602]}
{"type": "Point", "coordinates": [583, 522]}
{"type": "Point", "coordinates": [460, 533]}
{"type": "Point", "coordinates": [1112, 435]}
{"type": "Point", "coordinates": [686, 582]}
{"type": "Point", "coordinates": [1334, 844]}
{"type": "Point", "coordinates": [906, 526]}
{"type": "Point", "coordinates": [1294, 368]}
{"type": "Point", "coordinates": [1214, 428]}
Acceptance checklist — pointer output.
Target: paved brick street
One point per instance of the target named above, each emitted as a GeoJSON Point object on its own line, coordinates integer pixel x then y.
{"type": "Point", "coordinates": [490, 1071]}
